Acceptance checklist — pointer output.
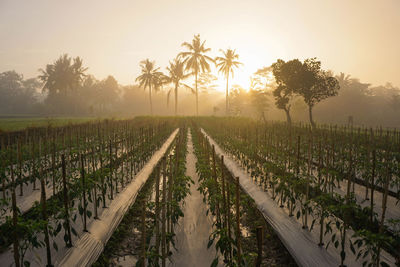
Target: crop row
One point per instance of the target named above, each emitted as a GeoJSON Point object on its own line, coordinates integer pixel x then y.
{"type": "Point", "coordinates": [102, 162]}
{"type": "Point", "coordinates": [302, 168]}
{"type": "Point", "coordinates": [239, 228]}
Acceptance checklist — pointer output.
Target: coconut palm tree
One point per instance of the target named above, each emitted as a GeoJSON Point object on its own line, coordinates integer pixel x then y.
{"type": "Point", "coordinates": [344, 80]}
{"type": "Point", "coordinates": [64, 75]}
{"type": "Point", "coordinates": [176, 70]}
{"type": "Point", "coordinates": [196, 60]}
{"type": "Point", "coordinates": [225, 66]}
{"type": "Point", "coordinates": [150, 78]}
{"type": "Point", "coordinates": [60, 78]}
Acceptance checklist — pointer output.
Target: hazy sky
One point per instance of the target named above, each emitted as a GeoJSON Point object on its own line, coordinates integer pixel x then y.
{"type": "Point", "coordinates": [359, 37]}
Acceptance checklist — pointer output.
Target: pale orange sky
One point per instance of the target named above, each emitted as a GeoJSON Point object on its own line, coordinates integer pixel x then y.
{"type": "Point", "coordinates": [358, 37]}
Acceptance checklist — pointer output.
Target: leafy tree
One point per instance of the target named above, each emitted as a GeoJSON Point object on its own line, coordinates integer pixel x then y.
{"type": "Point", "coordinates": [17, 95]}
{"type": "Point", "coordinates": [150, 78]}
{"type": "Point", "coordinates": [196, 60]}
{"type": "Point", "coordinates": [108, 91]}
{"type": "Point", "coordinates": [259, 102]}
{"type": "Point", "coordinates": [395, 102]}
{"type": "Point", "coordinates": [316, 85]}
{"type": "Point", "coordinates": [287, 77]}
{"type": "Point", "coordinates": [262, 83]}
{"type": "Point", "coordinates": [225, 66]}
{"type": "Point", "coordinates": [239, 100]}
{"type": "Point", "coordinates": [176, 73]}
{"type": "Point", "coordinates": [263, 79]}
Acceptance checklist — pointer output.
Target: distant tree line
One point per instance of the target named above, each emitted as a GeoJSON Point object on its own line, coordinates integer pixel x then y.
{"type": "Point", "coordinates": [355, 102]}
{"type": "Point", "coordinates": [287, 90]}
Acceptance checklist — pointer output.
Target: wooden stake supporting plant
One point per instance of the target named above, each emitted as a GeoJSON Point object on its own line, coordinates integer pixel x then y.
{"type": "Point", "coordinates": [169, 201]}
{"type": "Point", "coordinates": [44, 212]}
{"type": "Point", "coordinates": [111, 170]}
{"type": "Point", "coordinates": [157, 213]}
{"type": "Point", "coordinates": [103, 186]}
{"type": "Point", "coordinates": [44, 217]}
{"type": "Point", "coordinates": [372, 184]}
{"type": "Point", "coordinates": [53, 165]}
{"type": "Point", "coordinates": [94, 185]}
{"type": "Point", "coordinates": [239, 260]}
{"type": "Point", "coordinates": [67, 227]}
{"type": "Point", "coordinates": [223, 192]}
{"type": "Point", "coordinates": [3, 171]}
{"type": "Point", "coordinates": [15, 220]}
{"type": "Point", "coordinates": [387, 177]}
{"type": "Point", "coordinates": [33, 170]}
{"type": "Point", "coordinates": [214, 168]}
{"type": "Point", "coordinates": [143, 254]}
{"type": "Point", "coordinates": [260, 240]}
{"type": "Point", "coordinates": [228, 201]}
{"type": "Point", "coordinates": [163, 215]}
{"type": "Point", "coordinates": [84, 192]}
{"type": "Point", "coordinates": [21, 184]}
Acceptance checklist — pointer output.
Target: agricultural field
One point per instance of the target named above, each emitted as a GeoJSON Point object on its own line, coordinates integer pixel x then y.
{"type": "Point", "coordinates": [129, 192]}
{"type": "Point", "coordinates": [233, 133]}
{"type": "Point", "coordinates": [8, 124]}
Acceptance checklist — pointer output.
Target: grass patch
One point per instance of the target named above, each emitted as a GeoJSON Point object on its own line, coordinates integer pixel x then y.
{"type": "Point", "coordinates": [16, 124]}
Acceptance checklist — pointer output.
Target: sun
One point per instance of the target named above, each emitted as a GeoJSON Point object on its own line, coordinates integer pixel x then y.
{"type": "Point", "coordinates": [242, 76]}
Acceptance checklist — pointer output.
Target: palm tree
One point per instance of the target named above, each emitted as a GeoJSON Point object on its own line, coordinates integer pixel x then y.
{"type": "Point", "coordinates": [176, 71]}
{"type": "Point", "coordinates": [344, 80]}
{"type": "Point", "coordinates": [150, 78]}
{"type": "Point", "coordinates": [63, 75]}
{"type": "Point", "coordinates": [225, 65]}
{"type": "Point", "coordinates": [196, 60]}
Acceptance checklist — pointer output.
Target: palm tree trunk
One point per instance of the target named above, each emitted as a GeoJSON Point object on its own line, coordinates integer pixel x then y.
{"type": "Point", "coordinates": [311, 117]}
{"type": "Point", "coordinates": [176, 98]}
{"type": "Point", "coordinates": [151, 102]}
{"type": "Point", "coordinates": [226, 96]}
{"type": "Point", "coordinates": [197, 96]}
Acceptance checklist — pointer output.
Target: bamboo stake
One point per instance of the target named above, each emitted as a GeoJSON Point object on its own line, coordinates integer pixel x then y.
{"type": "Point", "coordinates": [15, 220]}
{"type": "Point", "coordinates": [95, 184]}
{"type": "Point", "coordinates": [239, 260]}
{"type": "Point", "coordinates": [84, 192]}
{"type": "Point", "coordinates": [66, 203]}
{"type": "Point", "coordinates": [111, 170]}
{"type": "Point", "coordinates": [44, 212]}
{"type": "Point", "coordinates": [260, 240]}
{"type": "Point", "coordinates": [157, 211]}
{"type": "Point", "coordinates": [144, 233]}
{"type": "Point", "coordinates": [169, 207]}
{"type": "Point", "coordinates": [21, 184]}
{"type": "Point", "coordinates": [53, 165]}
{"type": "Point", "coordinates": [163, 215]}
{"type": "Point", "coordinates": [223, 191]}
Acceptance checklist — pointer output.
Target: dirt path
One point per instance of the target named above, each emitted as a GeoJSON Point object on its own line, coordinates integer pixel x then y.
{"type": "Point", "coordinates": [195, 227]}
